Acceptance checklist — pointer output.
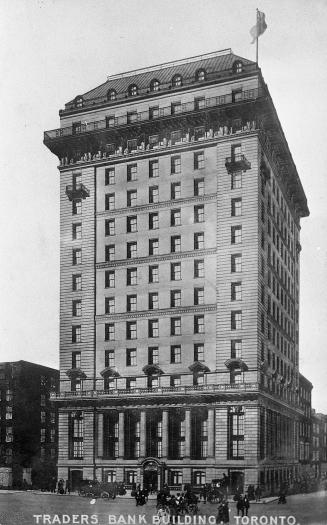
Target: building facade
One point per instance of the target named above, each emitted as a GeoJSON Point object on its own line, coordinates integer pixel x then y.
{"type": "Point", "coordinates": [305, 425]}
{"type": "Point", "coordinates": [28, 424]}
{"type": "Point", "coordinates": [180, 240]}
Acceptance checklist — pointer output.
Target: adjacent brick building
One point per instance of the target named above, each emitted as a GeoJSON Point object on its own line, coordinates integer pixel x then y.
{"type": "Point", "coordinates": [180, 210]}
{"type": "Point", "coordinates": [28, 424]}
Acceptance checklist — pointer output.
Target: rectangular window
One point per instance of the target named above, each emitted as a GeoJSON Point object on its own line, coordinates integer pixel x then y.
{"type": "Point", "coordinates": [77, 207]}
{"type": "Point", "coordinates": [110, 227]}
{"type": "Point", "coordinates": [199, 160]}
{"type": "Point", "coordinates": [175, 298]}
{"type": "Point", "coordinates": [131, 303]}
{"type": "Point", "coordinates": [131, 145]}
{"type": "Point", "coordinates": [131, 223]}
{"type": "Point", "coordinates": [236, 207]}
{"type": "Point", "coordinates": [175, 164]}
{"type": "Point", "coordinates": [153, 328]}
{"type": "Point", "coordinates": [199, 241]}
{"type": "Point", "coordinates": [175, 354]}
{"type": "Point", "coordinates": [153, 194]}
{"type": "Point", "coordinates": [198, 296]}
{"type": "Point", "coordinates": [199, 352]}
{"type": "Point", "coordinates": [131, 274]}
{"type": "Point", "coordinates": [236, 151]}
{"type": "Point", "coordinates": [109, 305]}
{"type": "Point", "coordinates": [109, 358]}
{"type": "Point", "coordinates": [236, 432]}
{"type": "Point", "coordinates": [153, 301]}
{"type": "Point", "coordinates": [153, 246]}
{"type": "Point", "coordinates": [131, 357]}
{"type": "Point", "coordinates": [109, 252]}
{"type": "Point", "coordinates": [76, 334]}
{"type": "Point", "coordinates": [109, 331]}
{"type": "Point", "coordinates": [131, 172]}
{"type": "Point", "coordinates": [199, 102]}
{"type": "Point", "coordinates": [153, 221]}
{"type": "Point", "coordinates": [236, 180]}
{"type": "Point", "coordinates": [131, 250]}
{"type": "Point", "coordinates": [77, 282]}
{"type": "Point", "coordinates": [176, 137]}
{"type": "Point", "coordinates": [236, 348]}
{"type": "Point", "coordinates": [175, 190]}
{"type": "Point", "coordinates": [236, 320]}
{"type": "Point", "coordinates": [175, 243]}
{"type": "Point", "coordinates": [153, 112]}
{"type": "Point", "coordinates": [109, 202]}
{"type": "Point", "coordinates": [131, 198]}
{"type": "Point", "coordinates": [199, 324]}
{"type": "Point", "coordinates": [131, 330]}
{"type": "Point", "coordinates": [109, 278]}
{"type": "Point", "coordinates": [153, 169]}
{"type": "Point", "coordinates": [77, 231]}
{"type": "Point", "coordinates": [153, 274]}
{"type": "Point", "coordinates": [77, 256]}
{"type": "Point", "coordinates": [198, 268]}
{"type": "Point", "coordinates": [236, 262]}
{"type": "Point", "coordinates": [175, 381]}
{"type": "Point", "coordinates": [176, 107]}
{"type": "Point", "coordinates": [198, 187]}
{"type": "Point", "coordinates": [175, 217]}
{"type": "Point", "coordinates": [153, 355]}
{"type": "Point", "coordinates": [236, 234]}
{"type": "Point", "coordinates": [236, 291]}
{"type": "Point", "coordinates": [198, 214]}
{"type": "Point", "coordinates": [76, 360]}
{"type": "Point", "coordinates": [131, 117]}
{"type": "Point", "coordinates": [109, 176]}
{"type": "Point", "coordinates": [77, 308]}
{"type": "Point", "coordinates": [175, 326]}
{"type": "Point", "coordinates": [175, 271]}
{"type": "Point", "coordinates": [199, 133]}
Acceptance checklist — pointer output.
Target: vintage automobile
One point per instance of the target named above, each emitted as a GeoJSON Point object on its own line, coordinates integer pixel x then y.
{"type": "Point", "coordinates": [99, 489]}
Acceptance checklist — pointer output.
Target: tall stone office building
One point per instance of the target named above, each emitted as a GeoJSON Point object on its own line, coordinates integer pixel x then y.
{"type": "Point", "coordinates": [180, 222]}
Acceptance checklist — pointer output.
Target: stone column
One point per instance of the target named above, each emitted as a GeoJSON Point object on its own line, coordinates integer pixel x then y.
{"type": "Point", "coordinates": [187, 433]}
{"type": "Point", "coordinates": [164, 433]}
{"type": "Point", "coordinates": [100, 435]}
{"type": "Point", "coordinates": [211, 432]}
{"type": "Point", "coordinates": [121, 434]}
{"type": "Point", "coordinates": [142, 434]}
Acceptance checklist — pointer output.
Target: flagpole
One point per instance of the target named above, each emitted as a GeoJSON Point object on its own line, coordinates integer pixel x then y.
{"type": "Point", "coordinates": [256, 43]}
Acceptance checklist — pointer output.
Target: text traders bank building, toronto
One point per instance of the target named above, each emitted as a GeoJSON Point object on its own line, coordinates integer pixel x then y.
{"type": "Point", "coordinates": [180, 211]}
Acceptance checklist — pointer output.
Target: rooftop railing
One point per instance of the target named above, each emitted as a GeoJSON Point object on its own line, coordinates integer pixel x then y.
{"type": "Point", "coordinates": [149, 115]}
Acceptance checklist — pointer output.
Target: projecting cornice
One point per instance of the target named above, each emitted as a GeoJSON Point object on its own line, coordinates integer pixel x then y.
{"type": "Point", "coordinates": [158, 313]}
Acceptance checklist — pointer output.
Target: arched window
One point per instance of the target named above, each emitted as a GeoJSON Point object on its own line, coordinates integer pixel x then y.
{"type": "Point", "coordinates": [177, 81]}
{"type": "Point", "coordinates": [200, 75]}
{"type": "Point", "coordinates": [238, 66]}
{"type": "Point", "coordinates": [154, 86]}
{"type": "Point", "coordinates": [79, 102]}
{"type": "Point", "coordinates": [111, 95]}
{"type": "Point", "coordinates": [133, 90]}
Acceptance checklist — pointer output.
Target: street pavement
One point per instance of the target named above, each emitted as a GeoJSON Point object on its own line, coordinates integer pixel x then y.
{"type": "Point", "coordinates": [33, 508]}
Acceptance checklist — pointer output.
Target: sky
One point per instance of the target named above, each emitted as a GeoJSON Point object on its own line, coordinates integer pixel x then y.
{"type": "Point", "coordinates": [53, 50]}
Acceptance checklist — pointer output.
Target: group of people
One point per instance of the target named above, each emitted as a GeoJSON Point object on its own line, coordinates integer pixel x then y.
{"type": "Point", "coordinates": [63, 487]}
{"type": "Point", "coordinates": [141, 495]}
{"type": "Point", "coordinates": [182, 501]}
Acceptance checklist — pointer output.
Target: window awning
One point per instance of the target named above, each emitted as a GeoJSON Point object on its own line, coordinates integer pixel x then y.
{"type": "Point", "coordinates": [197, 367]}
{"type": "Point", "coordinates": [109, 371]}
{"type": "Point", "coordinates": [236, 362]}
{"type": "Point", "coordinates": [75, 373]}
{"type": "Point", "coordinates": [151, 370]}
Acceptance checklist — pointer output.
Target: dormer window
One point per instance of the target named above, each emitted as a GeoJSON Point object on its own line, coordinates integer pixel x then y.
{"type": "Point", "coordinates": [112, 95]}
{"type": "Point", "coordinates": [177, 81]}
{"type": "Point", "coordinates": [154, 86]}
{"type": "Point", "coordinates": [79, 102]}
{"type": "Point", "coordinates": [200, 75]}
{"type": "Point", "coordinates": [238, 66]}
{"type": "Point", "coordinates": [133, 90]}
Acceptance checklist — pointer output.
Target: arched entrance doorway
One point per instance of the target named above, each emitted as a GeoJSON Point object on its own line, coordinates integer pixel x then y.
{"type": "Point", "coordinates": [152, 474]}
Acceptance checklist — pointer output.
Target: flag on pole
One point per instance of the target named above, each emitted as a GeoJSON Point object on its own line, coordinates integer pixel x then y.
{"type": "Point", "coordinates": [260, 26]}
